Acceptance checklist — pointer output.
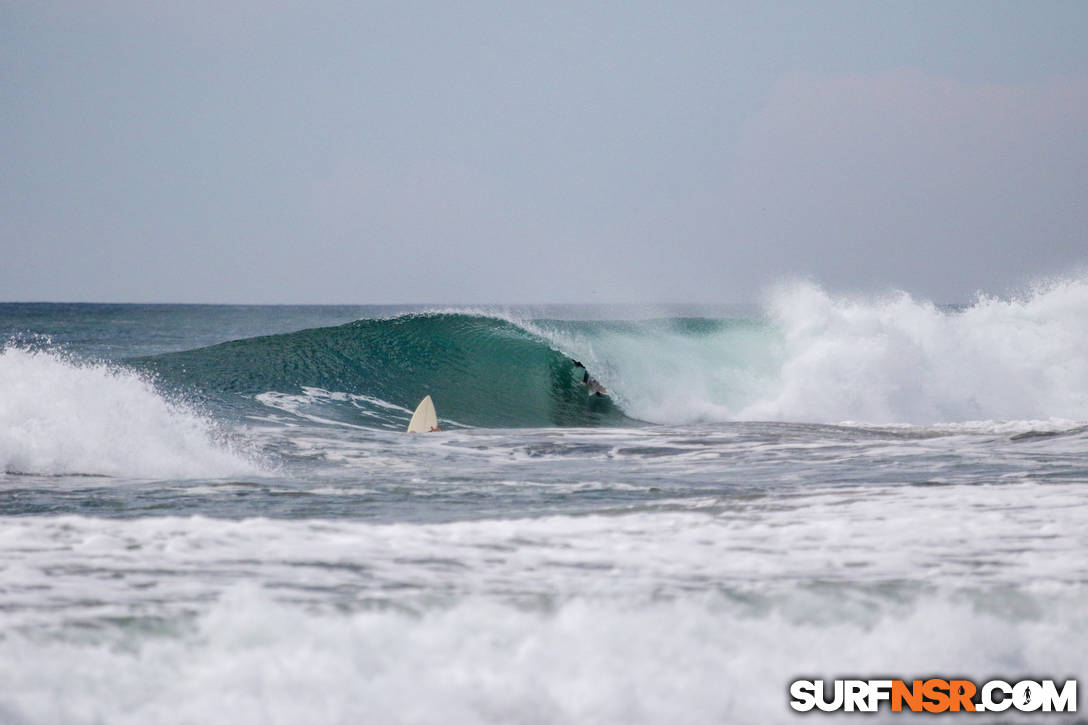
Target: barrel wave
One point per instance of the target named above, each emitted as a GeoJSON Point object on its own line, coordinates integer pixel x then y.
{"type": "Point", "coordinates": [809, 357]}
{"type": "Point", "coordinates": [481, 371]}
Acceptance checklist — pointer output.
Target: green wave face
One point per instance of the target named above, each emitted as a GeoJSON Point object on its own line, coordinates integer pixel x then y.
{"type": "Point", "coordinates": [480, 371]}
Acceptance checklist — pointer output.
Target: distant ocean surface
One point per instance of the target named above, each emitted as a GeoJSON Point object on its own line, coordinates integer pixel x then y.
{"type": "Point", "coordinates": [211, 514]}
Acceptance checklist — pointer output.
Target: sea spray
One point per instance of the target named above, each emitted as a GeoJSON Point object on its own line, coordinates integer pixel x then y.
{"type": "Point", "coordinates": [60, 416]}
{"type": "Point", "coordinates": [679, 370]}
{"type": "Point", "coordinates": [896, 359]}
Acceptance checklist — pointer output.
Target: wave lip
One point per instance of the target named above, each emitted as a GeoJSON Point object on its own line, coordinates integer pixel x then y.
{"type": "Point", "coordinates": [59, 416]}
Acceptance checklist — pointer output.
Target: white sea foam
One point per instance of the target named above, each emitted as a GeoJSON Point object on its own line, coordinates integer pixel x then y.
{"type": "Point", "coordinates": [884, 360]}
{"type": "Point", "coordinates": [898, 359]}
{"type": "Point", "coordinates": [837, 534]}
{"type": "Point", "coordinates": [252, 660]}
{"type": "Point", "coordinates": [640, 618]}
{"type": "Point", "coordinates": [59, 416]}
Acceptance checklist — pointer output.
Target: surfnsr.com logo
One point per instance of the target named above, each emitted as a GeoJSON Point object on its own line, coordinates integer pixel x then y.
{"type": "Point", "coordinates": [933, 695]}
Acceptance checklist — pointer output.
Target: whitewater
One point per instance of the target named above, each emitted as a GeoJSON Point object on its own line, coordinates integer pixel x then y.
{"type": "Point", "coordinates": [212, 514]}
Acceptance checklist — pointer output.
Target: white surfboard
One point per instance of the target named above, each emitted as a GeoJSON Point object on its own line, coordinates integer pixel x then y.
{"type": "Point", "coordinates": [424, 420]}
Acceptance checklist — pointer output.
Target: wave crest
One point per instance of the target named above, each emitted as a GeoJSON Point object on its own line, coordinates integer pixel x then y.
{"type": "Point", "coordinates": [62, 417]}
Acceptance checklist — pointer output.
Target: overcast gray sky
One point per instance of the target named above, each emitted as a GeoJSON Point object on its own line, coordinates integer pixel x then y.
{"type": "Point", "coordinates": [354, 152]}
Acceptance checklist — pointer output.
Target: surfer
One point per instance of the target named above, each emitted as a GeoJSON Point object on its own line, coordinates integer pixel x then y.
{"type": "Point", "coordinates": [591, 383]}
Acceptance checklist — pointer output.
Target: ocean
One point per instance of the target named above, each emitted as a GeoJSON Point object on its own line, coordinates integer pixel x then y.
{"type": "Point", "coordinates": [211, 514]}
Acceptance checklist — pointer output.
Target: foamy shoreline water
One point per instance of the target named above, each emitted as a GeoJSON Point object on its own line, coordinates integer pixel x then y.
{"type": "Point", "coordinates": [626, 618]}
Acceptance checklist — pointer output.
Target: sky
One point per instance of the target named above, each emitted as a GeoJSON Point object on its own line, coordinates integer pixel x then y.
{"type": "Point", "coordinates": [528, 153]}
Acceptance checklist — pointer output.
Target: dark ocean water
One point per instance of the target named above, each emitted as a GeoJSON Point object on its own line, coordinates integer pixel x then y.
{"type": "Point", "coordinates": [211, 514]}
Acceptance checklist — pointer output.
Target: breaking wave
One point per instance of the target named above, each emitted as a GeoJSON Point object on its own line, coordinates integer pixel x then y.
{"type": "Point", "coordinates": [58, 416]}
{"type": "Point", "coordinates": [811, 357]}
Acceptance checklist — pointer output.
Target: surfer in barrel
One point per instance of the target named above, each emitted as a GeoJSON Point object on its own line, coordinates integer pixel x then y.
{"type": "Point", "coordinates": [591, 383]}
